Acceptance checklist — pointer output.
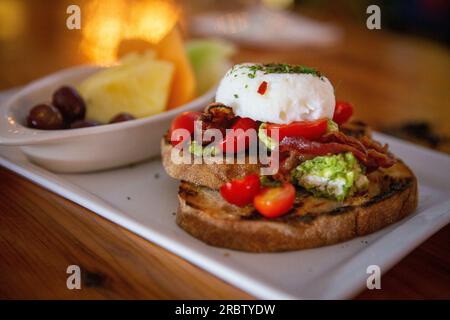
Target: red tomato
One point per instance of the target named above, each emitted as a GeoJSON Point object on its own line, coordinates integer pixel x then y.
{"type": "Point", "coordinates": [274, 202]}
{"type": "Point", "coordinates": [342, 112]}
{"type": "Point", "coordinates": [262, 88]}
{"type": "Point", "coordinates": [237, 139]}
{"type": "Point", "coordinates": [185, 121]}
{"type": "Point", "coordinates": [241, 192]}
{"type": "Point", "coordinates": [307, 129]}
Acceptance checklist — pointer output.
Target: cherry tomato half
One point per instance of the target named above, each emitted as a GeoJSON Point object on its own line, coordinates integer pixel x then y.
{"type": "Point", "coordinates": [185, 121]}
{"type": "Point", "coordinates": [241, 192]}
{"type": "Point", "coordinates": [238, 139]}
{"type": "Point", "coordinates": [342, 112]}
{"type": "Point", "coordinates": [274, 202]}
{"type": "Point", "coordinates": [307, 129]}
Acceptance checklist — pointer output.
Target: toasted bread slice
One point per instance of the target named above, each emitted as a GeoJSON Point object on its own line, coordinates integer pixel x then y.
{"type": "Point", "coordinates": [313, 221]}
{"type": "Point", "coordinates": [203, 174]}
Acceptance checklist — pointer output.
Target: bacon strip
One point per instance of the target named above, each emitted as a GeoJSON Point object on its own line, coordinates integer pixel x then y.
{"type": "Point", "coordinates": [369, 153]}
{"type": "Point", "coordinates": [378, 159]}
{"type": "Point", "coordinates": [372, 144]}
{"type": "Point", "coordinates": [217, 116]}
{"type": "Point", "coordinates": [316, 148]}
{"type": "Point", "coordinates": [342, 138]}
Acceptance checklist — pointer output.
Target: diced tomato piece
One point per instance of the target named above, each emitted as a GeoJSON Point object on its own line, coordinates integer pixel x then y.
{"type": "Point", "coordinates": [262, 88]}
{"type": "Point", "coordinates": [241, 192]}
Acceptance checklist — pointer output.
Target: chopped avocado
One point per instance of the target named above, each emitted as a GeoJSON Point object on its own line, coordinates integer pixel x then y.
{"type": "Point", "coordinates": [270, 143]}
{"type": "Point", "coordinates": [198, 150]}
{"type": "Point", "coordinates": [268, 181]}
{"type": "Point", "coordinates": [332, 126]}
{"type": "Point", "coordinates": [334, 176]}
{"type": "Point", "coordinates": [195, 148]}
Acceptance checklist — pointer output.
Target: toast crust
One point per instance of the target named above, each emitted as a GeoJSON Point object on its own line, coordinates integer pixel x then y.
{"type": "Point", "coordinates": [208, 175]}
{"type": "Point", "coordinates": [205, 215]}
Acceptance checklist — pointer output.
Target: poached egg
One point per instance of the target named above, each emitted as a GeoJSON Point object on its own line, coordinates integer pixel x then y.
{"type": "Point", "coordinates": [277, 93]}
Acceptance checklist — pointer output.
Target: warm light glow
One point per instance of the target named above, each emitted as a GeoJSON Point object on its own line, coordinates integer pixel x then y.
{"type": "Point", "coordinates": [151, 21]}
{"type": "Point", "coordinates": [278, 4]}
{"type": "Point", "coordinates": [107, 23]}
{"type": "Point", "coordinates": [12, 19]}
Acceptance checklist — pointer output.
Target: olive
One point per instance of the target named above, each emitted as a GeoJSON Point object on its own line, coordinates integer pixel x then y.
{"type": "Point", "coordinates": [46, 117]}
{"type": "Point", "coordinates": [84, 124]}
{"type": "Point", "coordinates": [121, 117]}
{"type": "Point", "coordinates": [70, 103]}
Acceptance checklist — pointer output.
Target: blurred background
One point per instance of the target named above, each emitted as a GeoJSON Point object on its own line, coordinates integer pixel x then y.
{"type": "Point", "coordinates": [397, 77]}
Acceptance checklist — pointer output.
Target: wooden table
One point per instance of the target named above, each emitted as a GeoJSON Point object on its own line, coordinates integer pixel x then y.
{"type": "Point", "coordinates": [389, 79]}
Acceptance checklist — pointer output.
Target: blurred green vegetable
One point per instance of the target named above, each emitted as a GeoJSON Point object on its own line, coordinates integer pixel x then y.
{"type": "Point", "coordinates": [210, 59]}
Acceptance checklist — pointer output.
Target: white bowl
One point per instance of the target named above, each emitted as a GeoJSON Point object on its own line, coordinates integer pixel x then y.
{"type": "Point", "coordinates": [84, 149]}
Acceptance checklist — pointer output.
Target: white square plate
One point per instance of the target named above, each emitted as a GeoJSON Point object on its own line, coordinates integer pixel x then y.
{"type": "Point", "coordinates": [142, 199]}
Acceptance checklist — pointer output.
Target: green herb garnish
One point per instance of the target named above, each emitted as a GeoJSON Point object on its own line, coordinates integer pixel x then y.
{"type": "Point", "coordinates": [278, 68]}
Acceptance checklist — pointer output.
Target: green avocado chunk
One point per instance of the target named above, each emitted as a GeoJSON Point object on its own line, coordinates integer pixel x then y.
{"type": "Point", "coordinates": [270, 143]}
{"type": "Point", "coordinates": [332, 126]}
{"type": "Point", "coordinates": [198, 150]}
{"type": "Point", "coordinates": [334, 176]}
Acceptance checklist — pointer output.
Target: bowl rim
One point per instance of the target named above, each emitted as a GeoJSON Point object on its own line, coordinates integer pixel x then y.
{"type": "Point", "coordinates": [14, 133]}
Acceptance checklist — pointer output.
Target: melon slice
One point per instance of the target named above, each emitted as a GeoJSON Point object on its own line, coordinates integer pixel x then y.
{"type": "Point", "coordinates": [210, 59]}
{"type": "Point", "coordinates": [171, 48]}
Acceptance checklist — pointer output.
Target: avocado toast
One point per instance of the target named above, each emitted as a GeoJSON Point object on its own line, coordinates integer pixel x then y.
{"type": "Point", "coordinates": [333, 183]}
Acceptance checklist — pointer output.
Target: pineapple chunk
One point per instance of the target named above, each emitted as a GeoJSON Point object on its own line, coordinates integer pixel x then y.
{"type": "Point", "coordinates": [141, 87]}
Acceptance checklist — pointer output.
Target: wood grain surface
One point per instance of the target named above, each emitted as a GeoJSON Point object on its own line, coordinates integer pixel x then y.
{"type": "Point", "coordinates": [389, 78]}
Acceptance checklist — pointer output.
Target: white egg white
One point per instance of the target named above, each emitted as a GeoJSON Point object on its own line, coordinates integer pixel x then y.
{"type": "Point", "coordinates": [289, 97]}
